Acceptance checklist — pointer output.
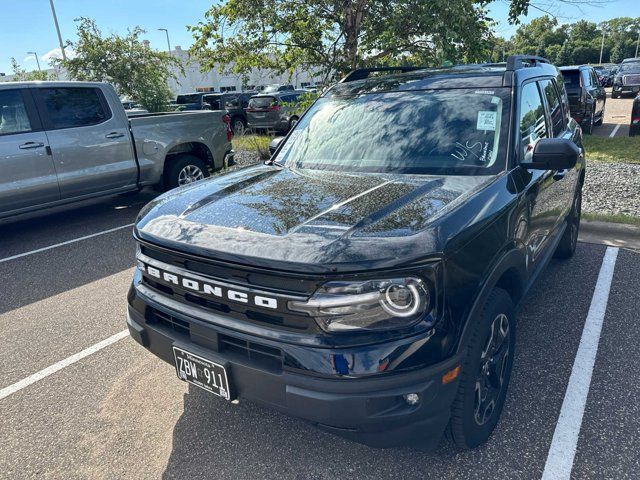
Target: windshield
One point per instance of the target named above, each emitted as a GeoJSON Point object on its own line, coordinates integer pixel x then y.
{"type": "Point", "coordinates": [631, 67]}
{"type": "Point", "coordinates": [184, 99]}
{"type": "Point", "coordinates": [418, 132]}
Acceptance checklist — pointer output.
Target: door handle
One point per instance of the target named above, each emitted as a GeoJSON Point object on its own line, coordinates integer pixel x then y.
{"type": "Point", "coordinates": [559, 175]}
{"type": "Point", "coordinates": [114, 135]}
{"type": "Point", "coordinates": [28, 145]}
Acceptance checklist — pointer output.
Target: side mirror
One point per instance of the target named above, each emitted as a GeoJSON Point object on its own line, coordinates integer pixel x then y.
{"type": "Point", "coordinates": [553, 154]}
{"type": "Point", "coordinates": [273, 146]}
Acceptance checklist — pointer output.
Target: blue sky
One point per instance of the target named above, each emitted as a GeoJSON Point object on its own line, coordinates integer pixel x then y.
{"type": "Point", "coordinates": [26, 25]}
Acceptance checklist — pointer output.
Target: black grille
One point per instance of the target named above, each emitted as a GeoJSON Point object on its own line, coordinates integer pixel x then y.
{"type": "Point", "coordinates": [171, 322]}
{"type": "Point", "coordinates": [262, 354]}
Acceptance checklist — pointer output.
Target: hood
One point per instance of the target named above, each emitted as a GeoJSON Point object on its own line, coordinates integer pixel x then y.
{"type": "Point", "coordinates": [267, 214]}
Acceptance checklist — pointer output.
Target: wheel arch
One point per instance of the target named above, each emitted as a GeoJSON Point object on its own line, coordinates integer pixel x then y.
{"type": "Point", "coordinates": [508, 273]}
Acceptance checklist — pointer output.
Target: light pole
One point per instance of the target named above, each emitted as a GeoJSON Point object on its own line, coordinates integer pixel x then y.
{"type": "Point", "coordinates": [637, 43]}
{"type": "Point", "coordinates": [604, 30]}
{"type": "Point", "coordinates": [55, 20]}
{"type": "Point", "coordinates": [167, 34]}
{"type": "Point", "coordinates": [38, 61]}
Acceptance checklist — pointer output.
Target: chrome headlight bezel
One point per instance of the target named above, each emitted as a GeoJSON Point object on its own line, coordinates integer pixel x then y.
{"type": "Point", "coordinates": [388, 302]}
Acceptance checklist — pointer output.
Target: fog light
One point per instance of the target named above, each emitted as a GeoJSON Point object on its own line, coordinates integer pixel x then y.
{"type": "Point", "coordinates": [411, 398]}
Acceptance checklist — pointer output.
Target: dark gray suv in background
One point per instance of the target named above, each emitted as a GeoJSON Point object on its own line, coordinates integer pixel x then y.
{"type": "Point", "coordinates": [274, 111]}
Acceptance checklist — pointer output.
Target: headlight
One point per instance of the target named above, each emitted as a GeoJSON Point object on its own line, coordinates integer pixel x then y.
{"type": "Point", "coordinates": [368, 305]}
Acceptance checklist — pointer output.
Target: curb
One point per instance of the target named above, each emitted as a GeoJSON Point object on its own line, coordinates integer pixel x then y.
{"type": "Point", "coordinates": [613, 234]}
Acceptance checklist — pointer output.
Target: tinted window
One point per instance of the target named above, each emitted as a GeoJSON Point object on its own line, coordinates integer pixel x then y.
{"type": "Point", "coordinates": [73, 107]}
{"type": "Point", "coordinates": [13, 114]}
{"type": "Point", "coordinates": [261, 102]}
{"type": "Point", "coordinates": [633, 67]}
{"type": "Point", "coordinates": [190, 98]}
{"type": "Point", "coordinates": [571, 78]}
{"type": "Point", "coordinates": [431, 131]}
{"type": "Point", "coordinates": [532, 122]}
{"type": "Point", "coordinates": [555, 110]}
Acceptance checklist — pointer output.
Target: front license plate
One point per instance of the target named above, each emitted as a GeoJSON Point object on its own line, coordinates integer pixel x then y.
{"type": "Point", "coordinates": [201, 372]}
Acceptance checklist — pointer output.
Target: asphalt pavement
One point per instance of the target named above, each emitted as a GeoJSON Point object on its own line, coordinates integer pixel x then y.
{"type": "Point", "coordinates": [119, 412]}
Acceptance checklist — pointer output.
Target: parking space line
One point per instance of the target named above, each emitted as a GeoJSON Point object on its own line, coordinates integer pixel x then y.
{"type": "Point", "coordinates": [615, 130]}
{"type": "Point", "coordinates": [565, 437]}
{"type": "Point", "coordinates": [74, 240]}
{"type": "Point", "coordinates": [16, 387]}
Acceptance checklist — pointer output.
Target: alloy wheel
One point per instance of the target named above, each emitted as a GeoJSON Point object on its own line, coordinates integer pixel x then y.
{"type": "Point", "coordinates": [493, 365]}
{"type": "Point", "coordinates": [189, 174]}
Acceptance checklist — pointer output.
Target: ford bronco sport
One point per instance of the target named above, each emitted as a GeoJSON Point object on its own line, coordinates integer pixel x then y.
{"type": "Point", "coordinates": [367, 277]}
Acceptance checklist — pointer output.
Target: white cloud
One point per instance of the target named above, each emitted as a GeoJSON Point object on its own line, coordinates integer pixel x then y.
{"type": "Point", "coordinates": [56, 53]}
{"type": "Point", "coordinates": [29, 58]}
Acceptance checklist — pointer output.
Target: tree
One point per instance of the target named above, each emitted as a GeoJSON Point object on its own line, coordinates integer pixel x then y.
{"type": "Point", "coordinates": [617, 53]}
{"type": "Point", "coordinates": [134, 69]}
{"type": "Point", "coordinates": [21, 75]}
{"type": "Point", "coordinates": [334, 37]}
{"type": "Point", "coordinates": [537, 36]}
{"type": "Point", "coordinates": [564, 55]}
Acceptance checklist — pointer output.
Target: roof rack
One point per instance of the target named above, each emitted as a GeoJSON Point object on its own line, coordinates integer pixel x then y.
{"type": "Point", "coordinates": [516, 62]}
{"type": "Point", "coordinates": [362, 73]}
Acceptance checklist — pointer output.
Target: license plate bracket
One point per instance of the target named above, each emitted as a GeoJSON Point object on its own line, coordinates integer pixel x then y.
{"type": "Point", "coordinates": [202, 372]}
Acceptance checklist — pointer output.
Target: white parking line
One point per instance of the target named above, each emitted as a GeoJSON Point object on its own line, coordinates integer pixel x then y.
{"type": "Point", "coordinates": [565, 438]}
{"type": "Point", "coordinates": [79, 239]}
{"type": "Point", "coordinates": [16, 387]}
{"type": "Point", "coordinates": [615, 130]}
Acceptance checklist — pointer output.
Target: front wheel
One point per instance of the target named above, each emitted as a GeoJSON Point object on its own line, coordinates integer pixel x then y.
{"type": "Point", "coordinates": [569, 241]}
{"type": "Point", "coordinates": [184, 170]}
{"type": "Point", "coordinates": [485, 373]}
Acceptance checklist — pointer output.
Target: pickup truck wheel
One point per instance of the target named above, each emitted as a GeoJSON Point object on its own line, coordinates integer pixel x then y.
{"type": "Point", "coordinates": [485, 373]}
{"type": "Point", "coordinates": [567, 246]}
{"type": "Point", "coordinates": [238, 125]}
{"type": "Point", "coordinates": [183, 170]}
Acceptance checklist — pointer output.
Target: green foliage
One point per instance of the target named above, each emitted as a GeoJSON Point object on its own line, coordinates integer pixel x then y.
{"type": "Point", "coordinates": [135, 70]}
{"type": "Point", "coordinates": [576, 43]}
{"type": "Point", "coordinates": [304, 101]}
{"type": "Point", "coordinates": [332, 37]}
{"type": "Point", "coordinates": [612, 150]}
{"type": "Point", "coordinates": [21, 75]}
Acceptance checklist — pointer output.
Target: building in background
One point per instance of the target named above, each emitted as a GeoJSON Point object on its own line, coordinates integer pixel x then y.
{"type": "Point", "coordinates": [194, 80]}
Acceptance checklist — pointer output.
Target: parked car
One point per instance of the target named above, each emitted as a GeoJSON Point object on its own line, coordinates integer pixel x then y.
{"type": "Point", "coordinates": [627, 80]}
{"type": "Point", "coordinates": [630, 60]}
{"type": "Point", "coordinates": [235, 105]}
{"type": "Point", "coordinates": [634, 127]}
{"type": "Point", "coordinates": [605, 75]}
{"type": "Point", "coordinates": [276, 87]}
{"type": "Point", "coordinates": [273, 111]}
{"type": "Point", "coordinates": [587, 97]}
{"type": "Point", "coordinates": [367, 278]}
{"type": "Point", "coordinates": [62, 142]}
{"type": "Point", "coordinates": [190, 101]}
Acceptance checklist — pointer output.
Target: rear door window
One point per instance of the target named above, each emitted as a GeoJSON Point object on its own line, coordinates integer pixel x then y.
{"type": "Point", "coordinates": [13, 113]}
{"type": "Point", "coordinates": [533, 124]}
{"type": "Point", "coordinates": [262, 102]}
{"type": "Point", "coordinates": [555, 109]}
{"type": "Point", "coordinates": [73, 107]}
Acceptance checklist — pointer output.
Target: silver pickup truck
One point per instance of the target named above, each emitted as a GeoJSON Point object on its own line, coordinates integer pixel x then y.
{"type": "Point", "coordinates": [62, 142]}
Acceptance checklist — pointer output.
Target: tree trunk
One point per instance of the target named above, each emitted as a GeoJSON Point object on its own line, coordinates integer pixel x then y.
{"type": "Point", "coordinates": [354, 12]}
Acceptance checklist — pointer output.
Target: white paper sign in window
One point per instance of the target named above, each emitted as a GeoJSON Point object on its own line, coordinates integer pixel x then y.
{"type": "Point", "coordinates": [487, 120]}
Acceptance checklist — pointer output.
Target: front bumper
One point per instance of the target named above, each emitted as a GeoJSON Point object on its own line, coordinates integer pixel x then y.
{"type": "Point", "coordinates": [370, 410]}
{"type": "Point", "coordinates": [626, 89]}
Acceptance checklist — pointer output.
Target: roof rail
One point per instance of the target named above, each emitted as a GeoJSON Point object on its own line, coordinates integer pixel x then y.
{"type": "Point", "coordinates": [362, 73]}
{"type": "Point", "coordinates": [516, 62]}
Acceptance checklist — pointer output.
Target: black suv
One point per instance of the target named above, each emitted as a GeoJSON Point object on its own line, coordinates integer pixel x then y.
{"type": "Point", "coordinates": [235, 104]}
{"type": "Point", "coordinates": [587, 96]}
{"type": "Point", "coordinates": [367, 277]}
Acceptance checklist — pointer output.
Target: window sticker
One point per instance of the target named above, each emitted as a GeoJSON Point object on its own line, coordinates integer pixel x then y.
{"type": "Point", "coordinates": [486, 120]}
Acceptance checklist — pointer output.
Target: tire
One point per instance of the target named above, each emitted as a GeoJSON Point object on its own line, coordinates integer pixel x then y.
{"type": "Point", "coordinates": [487, 366]}
{"type": "Point", "coordinates": [567, 246]}
{"type": "Point", "coordinates": [615, 95]}
{"type": "Point", "coordinates": [238, 125]}
{"type": "Point", "coordinates": [601, 118]}
{"type": "Point", "coordinates": [183, 170]}
{"type": "Point", "coordinates": [588, 129]}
